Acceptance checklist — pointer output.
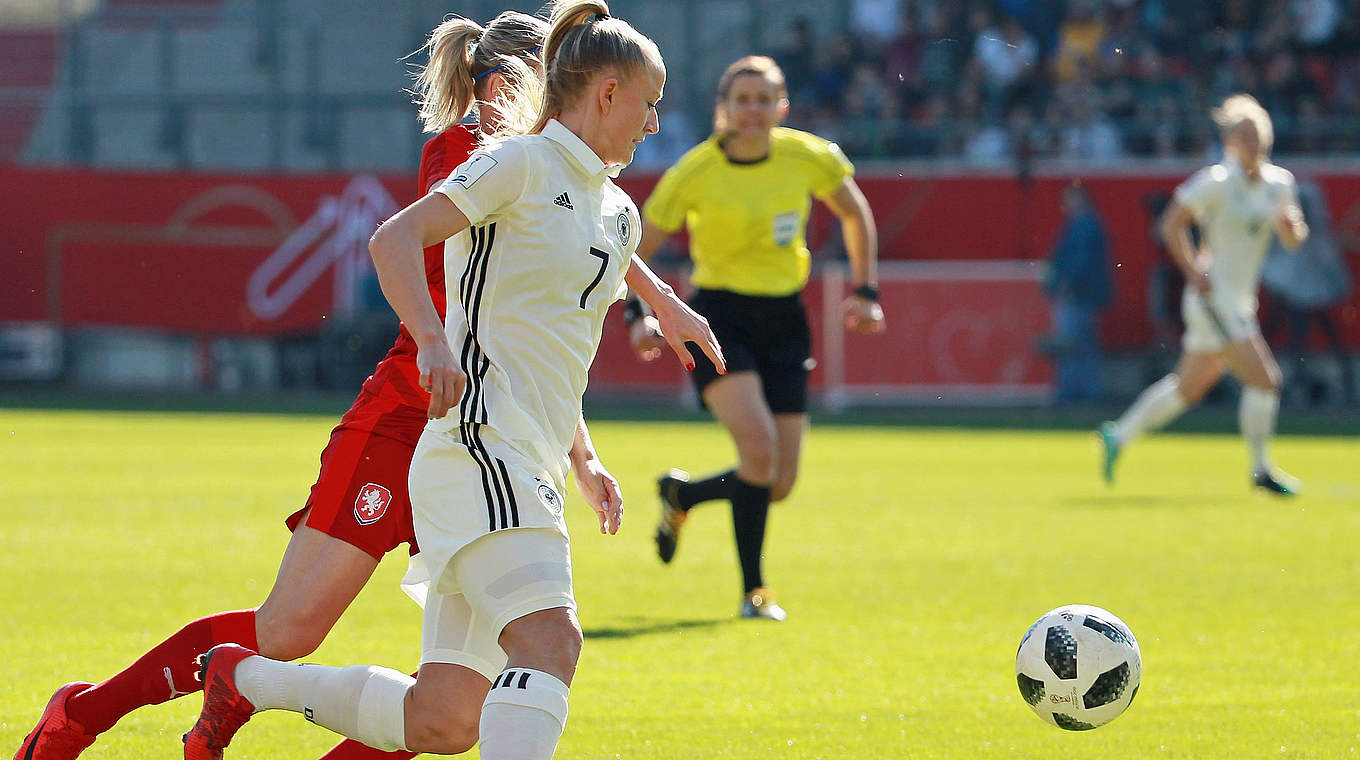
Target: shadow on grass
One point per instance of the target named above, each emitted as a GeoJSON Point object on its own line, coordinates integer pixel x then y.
{"type": "Point", "coordinates": [646, 627]}
{"type": "Point", "coordinates": [1133, 500]}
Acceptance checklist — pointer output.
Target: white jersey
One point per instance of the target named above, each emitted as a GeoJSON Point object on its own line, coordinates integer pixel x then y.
{"type": "Point", "coordinates": [1236, 218]}
{"type": "Point", "coordinates": [529, 284]}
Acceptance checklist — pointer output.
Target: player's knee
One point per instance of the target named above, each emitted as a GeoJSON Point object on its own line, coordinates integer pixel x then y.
{"type": "Point", "coordinates": [287, 634]}
{"type": "Point", "coordinates": [758, 456]}
{"type": "Point", "coordinates": [441, 726]}
{"type": "Point", "coordinates": [783, 486]}
{"type": "Point", "coordinates": [549, 640]}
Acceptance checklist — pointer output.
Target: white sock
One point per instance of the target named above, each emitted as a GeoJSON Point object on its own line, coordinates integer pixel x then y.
{"type": "Point", "coordinates": [1159, 404]}
{"type": "Point", "coordinates": [361, 702]}
{"type": "Point", "coordinates": [523, 715]}
{"type": "Point", "coordinates": [1256, 416]}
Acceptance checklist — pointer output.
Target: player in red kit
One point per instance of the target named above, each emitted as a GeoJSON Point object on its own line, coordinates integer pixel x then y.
{"type": "Point", "coordinates": [358, 510]}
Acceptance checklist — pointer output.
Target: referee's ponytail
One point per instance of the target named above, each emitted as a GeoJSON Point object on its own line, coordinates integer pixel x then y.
{"type": "Point", "coordinates": [584, 41]}
{"type": "Point", "coordinates": [463, 54]}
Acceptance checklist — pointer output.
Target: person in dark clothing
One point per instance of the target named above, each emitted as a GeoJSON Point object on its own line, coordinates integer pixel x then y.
{"type": "Point", "coordinates": [1079, 287]}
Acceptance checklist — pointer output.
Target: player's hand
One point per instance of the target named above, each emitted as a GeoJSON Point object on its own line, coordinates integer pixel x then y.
{"type": "Point", "coordinates": [440, 377]}
{"type": "Point", "coordinates": [680, 324]}
{"type": "Point", "coordinates": [601, 492]}
{"type": "Point", "coordinates": [646, 338]}
{"type": "Point", "coordinates": [862, 315]}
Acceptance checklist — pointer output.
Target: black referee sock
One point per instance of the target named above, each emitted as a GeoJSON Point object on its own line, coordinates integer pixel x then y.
{"type": "Point", "coordinates": [713, 487]}
{"type": "Point", "coordinates": [750, 507]}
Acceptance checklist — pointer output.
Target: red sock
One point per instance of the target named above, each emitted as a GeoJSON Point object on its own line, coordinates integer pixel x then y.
{"type": "Point", "coordinates": [352, 750]}
{"type": "Point", "coordinates": [168, 671]}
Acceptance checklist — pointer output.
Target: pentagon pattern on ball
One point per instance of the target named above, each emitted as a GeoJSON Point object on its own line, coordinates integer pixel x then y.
{"type": "Point", "coordinates": [1110, 631]}
{"type": "Point", "coordinates": [1060, 652]}
{"type": "Point", "coordinates": [1070, 723]}
{"type": "Point", "coordinates": [1108, 687]}
{"type": "Point", "coordinates": [1031, 689]}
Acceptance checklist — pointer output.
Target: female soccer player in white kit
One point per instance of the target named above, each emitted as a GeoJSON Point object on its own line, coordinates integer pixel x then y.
{"type": "Point", "coordinates": [1237, 206]}
{"type": "Point", "coordinates": [541, 242]}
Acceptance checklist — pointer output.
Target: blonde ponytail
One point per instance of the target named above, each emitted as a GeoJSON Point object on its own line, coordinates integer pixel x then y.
{"type": "Point", "coordinates": [462, 54]}
{"type": "Point", "coordinates": [444, 87]}
{"type": "Point", "coordinates": [583, 41]}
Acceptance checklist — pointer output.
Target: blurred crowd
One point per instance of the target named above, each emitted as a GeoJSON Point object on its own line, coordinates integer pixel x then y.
{"type": "Point", "coordinates": [1002, 81]}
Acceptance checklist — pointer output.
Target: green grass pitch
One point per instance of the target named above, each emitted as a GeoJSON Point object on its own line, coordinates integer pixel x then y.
{"type": "Point", "coordinates": [911, 561]}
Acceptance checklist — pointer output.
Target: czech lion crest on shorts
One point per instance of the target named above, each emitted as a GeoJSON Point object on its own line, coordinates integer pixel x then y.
{"type": "Point", "coordinates": [371, 503]}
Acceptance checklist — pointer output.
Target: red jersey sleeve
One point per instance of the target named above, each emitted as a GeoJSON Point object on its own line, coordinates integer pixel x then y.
{"type": "Point", "coordinates": [441, 155]}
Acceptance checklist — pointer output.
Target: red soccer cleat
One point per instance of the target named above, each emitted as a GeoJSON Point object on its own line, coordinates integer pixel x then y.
{"type": "Point", "coordinates": [224, 709]}
{"type": "Point", "coordinates": [57, 737]}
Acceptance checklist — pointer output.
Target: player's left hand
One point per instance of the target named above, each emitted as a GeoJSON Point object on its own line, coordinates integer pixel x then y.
{"type": "Point", "coordinates": [863, 316]}
{"type": "Point", "coordinates": [680, 324]}
{"type": "Point", "coordinates": [601, 492]}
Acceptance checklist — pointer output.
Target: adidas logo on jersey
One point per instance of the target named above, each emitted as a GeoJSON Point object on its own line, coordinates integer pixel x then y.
{"type": "Point", "coordinates": [563, 201]}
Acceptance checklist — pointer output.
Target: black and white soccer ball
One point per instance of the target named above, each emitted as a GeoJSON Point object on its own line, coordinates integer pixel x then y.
{"type": "Point", "coordinates": [1078, 667]}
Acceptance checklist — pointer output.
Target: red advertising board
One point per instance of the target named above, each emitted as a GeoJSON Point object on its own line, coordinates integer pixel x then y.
{"type": "Point", "coordinates": [268, 255]}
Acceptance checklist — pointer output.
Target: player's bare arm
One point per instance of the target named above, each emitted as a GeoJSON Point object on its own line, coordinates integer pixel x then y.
{"type": "Point", "coordinates": [644, 332]}
{"type": "Point", "coordinates": [397, 250]}
{"type": "Point", "coordinates": [861, 313]}
{"type": "Point", "coordinates": [599, 488]}
{"type": "Point", "coordinates": [679, 323]}
{"type": "Point", "coordinates": [1291, 227]}
{"type": "Point", "coordinates": [1175, 228]}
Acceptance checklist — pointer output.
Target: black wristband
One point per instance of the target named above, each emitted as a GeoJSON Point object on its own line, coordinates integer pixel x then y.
{"type": "Point", "coordinates": [632, 310]}
{"type": "Point", "coordinates": [867, 292]}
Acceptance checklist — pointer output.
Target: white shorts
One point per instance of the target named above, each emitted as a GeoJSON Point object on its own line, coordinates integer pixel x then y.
{"type": "Point", "coordinates": [493, 544]}
{"type": "Point", "coordinates": [1212, 324]}
{"type": "Point", "coordinates": [503, 576]}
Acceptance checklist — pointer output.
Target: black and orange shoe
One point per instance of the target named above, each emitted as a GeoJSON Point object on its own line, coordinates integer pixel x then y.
{"type": "Point", "coordinates": [672, 513]}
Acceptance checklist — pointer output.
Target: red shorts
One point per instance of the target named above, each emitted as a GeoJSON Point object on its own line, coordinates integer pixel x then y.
{"type": "Point", "coordinates": [360, 494]}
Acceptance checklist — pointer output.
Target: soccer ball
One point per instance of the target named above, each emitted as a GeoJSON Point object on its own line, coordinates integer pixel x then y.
{"type": "Point", "coordinates": [1078, 666]}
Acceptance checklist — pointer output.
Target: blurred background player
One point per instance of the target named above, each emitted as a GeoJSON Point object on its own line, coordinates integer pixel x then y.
{"type": "Point", "coordinates": [358, 509]}
{"type": "Point", "coordinates": [744, 195]}
{"type": "Point", "coordinates": [1238, 205]}
{"type": "Point", "coordinates": [501, 641]}
{"type": "Point", "coordinates": [1079, 287]}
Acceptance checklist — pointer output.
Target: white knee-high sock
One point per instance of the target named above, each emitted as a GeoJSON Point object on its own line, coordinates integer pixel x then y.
{"type": "Point", "coordinates": [1256, 413]}
{"type": "Point", "coordinates": [523, 715]}
{"type": "Point", "coordinates": [1159, 404]}
{"type": "Point", "coordinates": [361, 702]}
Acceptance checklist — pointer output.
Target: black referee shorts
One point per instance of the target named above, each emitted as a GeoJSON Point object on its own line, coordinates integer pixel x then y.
{"type": "Point", "coordinates": [768, 335]}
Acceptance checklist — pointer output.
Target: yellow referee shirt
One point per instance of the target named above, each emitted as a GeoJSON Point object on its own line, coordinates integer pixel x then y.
{"type": "Point", "coordinates": [747, 221]}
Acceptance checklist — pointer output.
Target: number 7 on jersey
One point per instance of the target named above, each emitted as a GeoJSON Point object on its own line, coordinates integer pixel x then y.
{"type": "Point", "coordinates": [604, 262]}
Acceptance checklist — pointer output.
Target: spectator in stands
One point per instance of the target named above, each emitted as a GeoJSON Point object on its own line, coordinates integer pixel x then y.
{"type": "Point", "coordinates": [1007, 55]}
{"type": "Point", "coordinates": [1078, 39]}
{"type": "Point", "coordinates": [875, 23]}
{"type": "Point", "coordinates": [1089, 134]}
{"type": "Point", "coordinates": [1079, 287]}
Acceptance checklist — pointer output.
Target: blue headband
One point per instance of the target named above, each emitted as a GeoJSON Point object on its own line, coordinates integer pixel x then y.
{"type": "Point", "coordinates": [500, 66]}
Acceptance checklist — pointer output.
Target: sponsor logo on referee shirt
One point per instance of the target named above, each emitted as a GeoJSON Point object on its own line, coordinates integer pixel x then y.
{"type": "Point", "coordinates": [371, 503]}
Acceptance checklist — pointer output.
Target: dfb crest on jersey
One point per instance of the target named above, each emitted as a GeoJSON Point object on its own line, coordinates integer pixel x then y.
{"type": "Point", "coordinates": [371, 503]}
{"type": "Point", "coordinates": [625, 226]}
{"type": "Point", "coordinates": [549, 497]}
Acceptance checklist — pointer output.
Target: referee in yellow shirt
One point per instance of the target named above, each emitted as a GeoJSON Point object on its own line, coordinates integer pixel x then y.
{"type": "Point", "coordinates": [744, 196]}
